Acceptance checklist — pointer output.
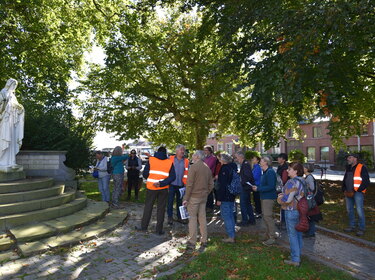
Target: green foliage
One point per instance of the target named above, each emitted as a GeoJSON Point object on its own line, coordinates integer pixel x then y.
{"type": "Point", "coordinates": [250, 154]}
{"type": "Point", "coordinates": [163, 79]}
{"type": "Point", "coordinates": [302, 58]}
{"type": "Point", "coordinates": [364, 157]}
{"type": "Point", "coordinates": [42, 43]}
{"type": "Point", "coordinates": [297, 155]}
{"type": "Point", "coordinates": [49, 132]}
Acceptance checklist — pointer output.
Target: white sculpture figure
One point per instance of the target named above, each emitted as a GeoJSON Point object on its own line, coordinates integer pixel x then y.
{"type": "Point", "coordinates": [12, 115]}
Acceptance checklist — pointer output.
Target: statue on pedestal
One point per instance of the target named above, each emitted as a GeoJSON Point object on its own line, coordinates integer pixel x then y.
{"type": "Point", "coordinates": [12, 115]}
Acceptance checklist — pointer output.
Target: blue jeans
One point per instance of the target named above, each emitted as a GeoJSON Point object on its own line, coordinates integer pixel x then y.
{"type": "Point", "coordinates": [246, 208]}
{"type": "Point", "coordinates": [174, 191]}
{"type": "Point", "coordinates": [103, 184]}
{"type": "Point", "coordinates": [312, 229]}
{"type": "Point", "coordinates": [226, 210]}
{"type": "Point", "coordinates": [356, 200]}
{"type": "Point", "coordinates": [295, 237]}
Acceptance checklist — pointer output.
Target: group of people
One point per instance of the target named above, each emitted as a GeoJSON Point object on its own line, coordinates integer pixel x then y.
{"type": "Point", "coordinates": [114, 167]}
{"type": "Point", "coordinates": [207, 182]}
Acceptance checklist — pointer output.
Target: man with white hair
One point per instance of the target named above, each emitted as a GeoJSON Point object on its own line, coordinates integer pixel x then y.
{"type": "Point", "coordinates": [181, 167]}
{"type": "Point", "coordinates": [199, 185]}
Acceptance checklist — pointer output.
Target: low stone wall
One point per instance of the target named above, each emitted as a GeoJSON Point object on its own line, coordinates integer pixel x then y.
{"type": "Point", "coordinates": [47, 164]}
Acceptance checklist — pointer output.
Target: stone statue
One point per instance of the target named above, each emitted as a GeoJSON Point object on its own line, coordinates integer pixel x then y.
{"type": "Point", "coordinates": [12, 115]}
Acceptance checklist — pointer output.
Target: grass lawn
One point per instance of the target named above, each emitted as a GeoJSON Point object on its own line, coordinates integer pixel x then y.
{"type": "Point", "coordinates": [334, 210]}
{"type": "Point", "coordinates": [248, 259]}
{"type": "Point", "coordinates": [90, 186]}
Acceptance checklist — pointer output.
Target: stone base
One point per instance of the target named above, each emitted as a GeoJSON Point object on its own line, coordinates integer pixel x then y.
{"type": "Point", "coordinates": [11, 176]}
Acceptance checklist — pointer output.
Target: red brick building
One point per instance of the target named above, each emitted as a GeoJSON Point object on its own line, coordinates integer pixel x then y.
{"type": "Point", "coordinates": [316, 144]}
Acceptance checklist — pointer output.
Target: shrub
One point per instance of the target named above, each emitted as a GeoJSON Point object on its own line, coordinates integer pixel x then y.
{"type": "Point", "coordinates": [297, 155]}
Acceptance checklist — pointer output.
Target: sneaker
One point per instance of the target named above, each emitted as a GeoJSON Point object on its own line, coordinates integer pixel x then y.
{"type": "Point", "coordinates": [290, 262]}
{"type": "Point", "coordinates": [258, 216]}
{"type": "Point", "coordinates": [243, 224]}
{"type": "Point", "coordinates": [140, 229]}
{"type": "Point", "coordinates": [360, 232]}
{"type": "Point", "coordinates": [170, 221]}
{"type": "Point", "coordinates": [190, 247]}
{"type": "Point", "coordinates": [349, 229]}
{"type": "Point", "coordinates": [228, 240]}
{"type": "Point", "coordinates": [115, 206]}
{"type": "Point", "coordinates": [269, 242]}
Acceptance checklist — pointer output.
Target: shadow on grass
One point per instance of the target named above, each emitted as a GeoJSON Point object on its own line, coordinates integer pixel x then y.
{"type": "Point", "coordinates": [249, 259]}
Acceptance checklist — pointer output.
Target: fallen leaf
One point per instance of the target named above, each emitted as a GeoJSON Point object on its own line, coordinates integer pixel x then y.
{"type": "Point", "coordinates": [257, 248]}
{"type": "Point", "coordinates": [108, 260]}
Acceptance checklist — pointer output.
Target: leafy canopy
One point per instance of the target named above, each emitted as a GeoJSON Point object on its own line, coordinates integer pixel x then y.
{"type": "Point", "coordinates": [303, 58]}
{"type": "Point", "coordinates": [163, 79]}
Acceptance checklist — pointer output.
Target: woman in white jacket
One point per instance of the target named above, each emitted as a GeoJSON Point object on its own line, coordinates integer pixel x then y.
{"type": "Point", "coordinates": [104, 176]}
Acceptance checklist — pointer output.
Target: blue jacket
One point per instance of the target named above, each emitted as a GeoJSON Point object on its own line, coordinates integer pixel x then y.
{"type": "Point", "coordinates": [257, 174]}
{"type": "Point", "coordinates": [224, 179]}
{"type": "Point", "coordinates": [172, 173]}
{"type": "Point", "coordinates": [117, 164]}
{"type": "Point", "coordinates": [267, 188]}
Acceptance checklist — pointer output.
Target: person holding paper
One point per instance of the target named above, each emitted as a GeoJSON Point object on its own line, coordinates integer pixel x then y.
{"type": "Point", "coordinates": [199, 184]}
{"type": "Point", "coordinates": [181, 167]}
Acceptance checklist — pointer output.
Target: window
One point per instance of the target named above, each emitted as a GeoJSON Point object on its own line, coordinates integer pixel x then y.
{"type": "Point", "coordinates": [229, 148]}
{"type": "Point", "coordinates": [220, 147]}
{"type": "Point", "coordinates": [311, 153]}
{"type": "Point", "coordinates": [317, 131]}
{"type": "Point", "coordinates": [364, 130]}
{"type": "Point", "coordinates": [290, 133]}
{"type": "Point", "coordinates": [324, 153]}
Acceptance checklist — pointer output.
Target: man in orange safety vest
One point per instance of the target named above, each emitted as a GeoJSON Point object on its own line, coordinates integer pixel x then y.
{"type": "Point", "coordinates": [159, 172]}
{"type": "Point", "coordinates": [356, 180]}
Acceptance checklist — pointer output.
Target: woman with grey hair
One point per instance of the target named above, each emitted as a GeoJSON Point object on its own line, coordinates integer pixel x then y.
{"type": "Point", "coordinates": [117, 162]}
{"type": "Point", "coordinates": [267, 190]}
{"type": "Point", "coordinates": [224, 198]}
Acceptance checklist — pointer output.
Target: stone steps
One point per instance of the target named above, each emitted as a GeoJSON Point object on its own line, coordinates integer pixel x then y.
{"type": "Point", "coordinates": [31, 232]}
{"type": "Point", "coordinates": [25, 185]}
{"type": "Point", "coordinates": [38, 204]}
{"type": "Point", "coordinates": [110, 222]}
{"type": "Point", "coordinates": [31, 195]}
{"type": "Point", "coordinates": [10, 221]}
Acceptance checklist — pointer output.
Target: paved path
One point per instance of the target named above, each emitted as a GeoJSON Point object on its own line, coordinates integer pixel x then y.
{"type": "Point", "coordinates": [128, 254]}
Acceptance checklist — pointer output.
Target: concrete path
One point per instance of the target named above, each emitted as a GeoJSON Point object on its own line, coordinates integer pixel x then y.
{"type": "Point", "coordinates": [129, 254]}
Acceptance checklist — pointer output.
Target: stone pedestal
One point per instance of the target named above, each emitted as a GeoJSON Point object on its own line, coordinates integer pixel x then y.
{"type": "Point", "coordinates": [11, 173]}
{"type": "Point", "coordinates": [47, 164]}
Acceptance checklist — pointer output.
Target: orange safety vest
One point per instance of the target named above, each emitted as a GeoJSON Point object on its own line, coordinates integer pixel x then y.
{"type": "Point", "coordinates": [159, 170]}
{"type": "Point", "coordinates": [357, 177]}
{"type": "Point", "coordinates": [184, 178]}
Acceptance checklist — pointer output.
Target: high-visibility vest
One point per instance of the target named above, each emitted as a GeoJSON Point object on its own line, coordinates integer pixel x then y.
{"type": "Point", "coordinates": [357, 177]}
{"type": "Point", "coordinates": [184, 178]}
{"type": "Point", "coordinates": [159, 170]}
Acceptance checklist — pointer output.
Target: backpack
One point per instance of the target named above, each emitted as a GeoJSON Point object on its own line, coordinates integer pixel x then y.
{"type": "Point", "coordinates": [319, 192]}
{"type": "Point", "coordinates": [279, 184]}
{"type": "Point", "coordinates": [309, 195]}
{"type": "Point", "coordinates": [109, 167]}
{"type": "Point", "coordinates": [235, 186]}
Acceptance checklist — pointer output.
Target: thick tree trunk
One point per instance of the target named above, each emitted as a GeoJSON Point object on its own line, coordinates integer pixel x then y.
{"type": "Point", "coordinates": [200, 137]}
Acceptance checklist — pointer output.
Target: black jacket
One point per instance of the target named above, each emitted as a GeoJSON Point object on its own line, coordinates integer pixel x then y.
{"type": "Point", "coordinates": [246, 175]}
{"type": "Point", "coordinates": [224, 179]}
{"type": "Point", "coordinates": [172, 173]}
{"type": "Point", "coordinates": [364, 174]}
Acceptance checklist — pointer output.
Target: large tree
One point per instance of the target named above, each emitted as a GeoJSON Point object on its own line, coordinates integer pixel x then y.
{"type": "Point", "coordinates": [163, 79]}
{"type": "Point", "coordinates": [304, 58]}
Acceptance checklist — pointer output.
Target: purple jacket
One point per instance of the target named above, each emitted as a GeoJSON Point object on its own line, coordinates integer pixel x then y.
{"type": "Point", "coordinates": [211, 162]}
